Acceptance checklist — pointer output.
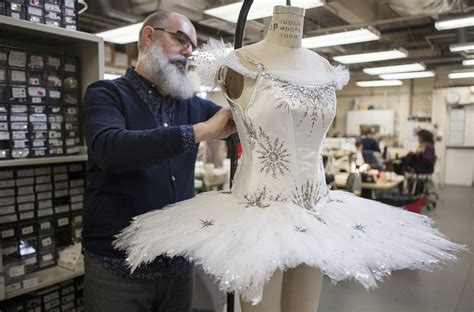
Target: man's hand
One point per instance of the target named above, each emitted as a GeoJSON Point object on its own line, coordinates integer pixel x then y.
{"type": "Point", "coordinates": [220, 126]}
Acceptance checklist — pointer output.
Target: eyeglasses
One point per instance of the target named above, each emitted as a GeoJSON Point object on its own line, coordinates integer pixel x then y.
{"type": "Point", "coordinates": [179, 36]}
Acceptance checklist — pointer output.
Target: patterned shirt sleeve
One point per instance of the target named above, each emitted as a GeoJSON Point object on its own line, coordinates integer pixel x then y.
{"type": "Point", "coordinates": [187, 133]}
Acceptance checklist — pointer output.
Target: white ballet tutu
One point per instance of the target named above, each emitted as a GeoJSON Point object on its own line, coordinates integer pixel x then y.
{"type": "Point", "coordinates": [242, 246]}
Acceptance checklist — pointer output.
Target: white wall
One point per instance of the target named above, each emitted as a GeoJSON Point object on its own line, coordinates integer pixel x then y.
{"type": "Point", "coordinates": [407, 100]}
{"type": "Point", "coordinates": [457, 165]}
{"type": "Point", "coordinates": [421, 98]}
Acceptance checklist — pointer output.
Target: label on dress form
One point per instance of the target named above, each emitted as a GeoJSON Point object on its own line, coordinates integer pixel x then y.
{"type": "Point", "coordinates": [288, 29]}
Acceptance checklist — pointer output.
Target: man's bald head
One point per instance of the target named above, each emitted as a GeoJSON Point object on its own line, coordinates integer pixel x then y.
{"type": "Point", "coordinates": [168, 20]}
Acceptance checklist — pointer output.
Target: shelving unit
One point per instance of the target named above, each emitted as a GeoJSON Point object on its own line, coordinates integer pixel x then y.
{"type": "Point", "coordinates": [42, 161]}
{"type": "Point", "coordinates": [87, 46]}
{"type": "Point", "coordinates": [90, 49]}
{"type": "Point", "coordinates": [46, 278]}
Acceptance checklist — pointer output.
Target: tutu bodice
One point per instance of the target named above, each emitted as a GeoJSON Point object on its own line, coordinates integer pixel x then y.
{"type": "Point", "coordinates": [282, 129]}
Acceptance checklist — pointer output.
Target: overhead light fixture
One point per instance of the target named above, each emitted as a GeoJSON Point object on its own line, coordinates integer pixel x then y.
{"type": "Point", "coordinates": [411, 75]}
{"type": "Point", "coordinates": [469, 62]}
{"type": "Point", "coordinates": [259, 9]}
{"type": "Point", "coordinates": [465, 21]}
{"type": "Point", "coordinates": [371, 56]}
{"type": "Point", "coordinates": [394, 69]}
{"type": "Point", "coordinates": [122, 35]}
{"type": "Point", "coordinates": [459, 47]}
{"type": "Point", "coordinates": [341, 38]}
{"type": "Point", "coordinates": [461, 75]}
{"type": "Point", "coordinates": [379, 83]}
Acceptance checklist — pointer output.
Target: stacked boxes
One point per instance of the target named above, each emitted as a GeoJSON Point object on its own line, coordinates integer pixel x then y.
{"type": "Point", "coordinates": [40, 214]}
{"type": "Point", "coordinates": [2, 7]}
{"type": "Point", "coordinates": [64, 297]}
{"type": "Point", "coordinates": [35, 11]}
{"type": "Point", "coordinates": [39, 104]}
{"type": "Point", "coordinates": [57, 13]}
{"type": "Point", "coordinates": [69, 15]}
{"type": "Point", "coordinates": [15, 9]}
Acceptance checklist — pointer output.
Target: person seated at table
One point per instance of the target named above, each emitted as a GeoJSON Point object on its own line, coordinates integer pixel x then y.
{"type": "Point", "coordinates": [423, 160]}
{"type": "Point", "coordinates": [359, 158]}
{"type": "Point", "coordinates": [370, 157]}
{"type": "Point", "coordinates": [368, 140]}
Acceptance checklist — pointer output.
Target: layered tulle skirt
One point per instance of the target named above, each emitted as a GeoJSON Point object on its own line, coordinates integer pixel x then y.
{"type": "Point", "coordinates": [242, 245]}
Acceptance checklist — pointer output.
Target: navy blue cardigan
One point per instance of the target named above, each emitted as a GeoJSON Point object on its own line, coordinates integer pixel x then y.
{"type": "Point", "coordinates": [134, 166]}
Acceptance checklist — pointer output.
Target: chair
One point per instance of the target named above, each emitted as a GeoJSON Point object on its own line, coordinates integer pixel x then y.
{"type": "Point", "coordinates": [423, 184]}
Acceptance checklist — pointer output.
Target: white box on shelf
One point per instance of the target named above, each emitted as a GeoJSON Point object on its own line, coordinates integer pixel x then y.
{"type": "Point", "coordinates": [71, 258]}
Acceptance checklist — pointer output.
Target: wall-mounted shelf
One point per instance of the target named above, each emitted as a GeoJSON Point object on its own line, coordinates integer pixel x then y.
{"type": "Point", "coordinates": [46, 278]}
{"type": "Point", "coordinates": [42, 161]}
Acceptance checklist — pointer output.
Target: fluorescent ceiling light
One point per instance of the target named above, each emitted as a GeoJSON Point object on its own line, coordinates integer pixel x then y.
{"type": "Point", "coordinates": [461, 75]}
{"type": "Point", "coordinates": [394, 69]}
{"type": "Point", "coordinates": [341, 38]}
{"type": "Point", "coordinates": [458, 47]}
{"type": "Point", "coordinates": [259, 9]}
{"type": "Point", "coordinates": [379, 83]}
{"type": "Point", "coordinates": [466, 21]}
{"type": "Point", "coordinates": [412, 75]}
{"type": "Point", "coordinates": [371, 57]}
{"type": "Point", "coordinates": [469, 62]}
{"type": "Point", "coordinates": [122, 35]}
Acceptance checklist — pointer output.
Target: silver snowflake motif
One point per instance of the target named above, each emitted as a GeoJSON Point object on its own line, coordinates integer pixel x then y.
{"type": "Point", "coordinates": [331, 200]}
{"type": "Point", "coordinates": [300, 229]}
{"type": "Point", "coordinates": [315, 100]}
{"type": "Point", "coordinates": [252, 135]}
{"type": "Point", "coordinates": [260, 197]}
{"type": "Point", "coordinates": [308, 195]}
{"type": "Point", "coordinates": [360, 227]}
{"type": "Point", "coordinates": [273, 155]}
{"type": "Point", "coordinates": [206, 223]}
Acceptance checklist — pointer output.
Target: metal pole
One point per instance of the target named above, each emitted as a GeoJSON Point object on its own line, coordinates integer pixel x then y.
{"type": "Point", "coordinates": [234, 140]}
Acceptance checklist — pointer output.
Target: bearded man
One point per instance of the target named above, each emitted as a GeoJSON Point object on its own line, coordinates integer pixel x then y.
{"type": "Point", "coordinates": [142, 132]}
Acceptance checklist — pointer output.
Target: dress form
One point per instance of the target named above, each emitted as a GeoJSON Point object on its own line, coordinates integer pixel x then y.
{"type": "Point", "coordinates": [281, 53]}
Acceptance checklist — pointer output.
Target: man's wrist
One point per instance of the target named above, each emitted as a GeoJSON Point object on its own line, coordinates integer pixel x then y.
{"type": "Point", "coordinates": [200, 132]}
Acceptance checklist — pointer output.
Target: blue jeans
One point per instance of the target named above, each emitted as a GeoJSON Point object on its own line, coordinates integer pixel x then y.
{"type": "Point", "coordinates": [104, 291]}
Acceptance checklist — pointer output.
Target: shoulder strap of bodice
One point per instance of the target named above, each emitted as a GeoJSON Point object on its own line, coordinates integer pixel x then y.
{"type": "Point", "coordinates": [245, 56]}
{"type": "Point", "coordinates": [212, 56]}
{"type": "Point", "coordinates": [340, 73]}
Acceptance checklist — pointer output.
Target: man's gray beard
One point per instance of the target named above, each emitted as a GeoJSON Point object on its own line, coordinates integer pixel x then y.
{"type": "Point", "coordinates": [168, 77]}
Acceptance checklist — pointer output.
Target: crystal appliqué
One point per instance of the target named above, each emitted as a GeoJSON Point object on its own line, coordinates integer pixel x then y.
{"type": "Point", "coordinates": [315, 100]}
{"type": "Point", "coordinates": [273, 154]}
{"type": "Point", "coordinates": [300, 229]}
{"type": "Point", "coordinates": [260, 198]}
{"type": "Point", "coordinates": [206, 223]}
{"type": "Point", "coordinates": [307, 196]}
